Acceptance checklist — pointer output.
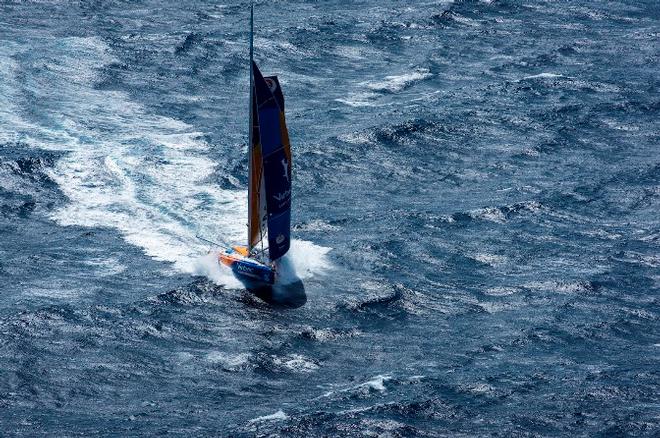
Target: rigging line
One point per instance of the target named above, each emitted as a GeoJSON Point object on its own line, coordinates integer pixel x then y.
{"type": "Point", "coordinates": [208, 241]}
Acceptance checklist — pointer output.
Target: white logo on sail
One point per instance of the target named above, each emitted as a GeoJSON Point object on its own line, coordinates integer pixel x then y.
{"type": "Point", "coordinates": [272, 85]}
{"type": "Point", "coordinates": [285, 164]}
{"type": "Point", "coordinates": [282, 196]}
{"type": "Point", "coordinates": [280, 239]}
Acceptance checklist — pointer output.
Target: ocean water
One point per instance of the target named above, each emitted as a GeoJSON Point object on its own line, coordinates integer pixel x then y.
{"type": "Point", "coordinates": [476, 219]}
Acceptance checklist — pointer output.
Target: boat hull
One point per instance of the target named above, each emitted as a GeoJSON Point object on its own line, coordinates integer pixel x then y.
{"type": "Point", "coordinates": [248, 270]}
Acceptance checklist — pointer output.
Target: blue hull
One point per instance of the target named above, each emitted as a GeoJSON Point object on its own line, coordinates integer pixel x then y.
{"type": "Point", "coordinates": [253, 274]}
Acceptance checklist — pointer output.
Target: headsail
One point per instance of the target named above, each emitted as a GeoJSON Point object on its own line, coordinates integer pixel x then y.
{"type": "Point", "coordinates": [257, 215]}
{"type": "Point", "coordinates": [275, 154]}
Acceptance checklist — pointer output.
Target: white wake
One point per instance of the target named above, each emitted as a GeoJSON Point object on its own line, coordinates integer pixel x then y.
{"type": "Point", "coordinates": [144, 175]}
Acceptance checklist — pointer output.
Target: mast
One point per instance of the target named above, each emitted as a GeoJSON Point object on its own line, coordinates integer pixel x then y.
{"type": "Point", "coordinates": [251, 122]}
{"type": "Point", "coordinates": [251, 59]}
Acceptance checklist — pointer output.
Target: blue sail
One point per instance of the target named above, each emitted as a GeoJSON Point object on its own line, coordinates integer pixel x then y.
{"type": "Point", "coordinates": [276, 156]}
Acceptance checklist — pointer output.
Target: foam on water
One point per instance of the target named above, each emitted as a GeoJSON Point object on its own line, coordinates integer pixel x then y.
{"type": "Point", "coordinates": [125, 168]}
{"type": "Point", "coordinates": [228, 361]}
{"type": "Point", "coordinates": [296, 363]}
{"type": "Point", "coordinates": [377, 383]}
{"type": "Point", "coordinates": [277, 416]}
{"type": "Point", "coordinates": [394, 83]}
{"type": "Point", "coordinates": [208, 266]}
{"type": "Point", "coordinates": [143, 174]}
{"type": "Point", "coordinates": [544, 76]}
{"type": "Point", "coordinates": [360, 99]}
{"type": "Point", "coordinates": [304, 260]}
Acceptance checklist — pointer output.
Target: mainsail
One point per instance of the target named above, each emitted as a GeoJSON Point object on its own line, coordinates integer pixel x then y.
{"type": "Point", "coordinates": [271, 165]}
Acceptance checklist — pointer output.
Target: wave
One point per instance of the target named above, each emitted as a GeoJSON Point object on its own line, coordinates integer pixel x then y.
{"type": "Point", "coordinates": [398, 134]}
{"type": "Point", "coordinates": [544, 76]}
{"type": "Point", "coordinates": [277, 416]}
{"type": "Point", "coordinates": [376, 89]}
{"type": "Point", "coordinates": [24, 182]}
{"type": "Point", "coordinates": [498, 214]}
{"type": "Point", "coordinates": [396, 83]}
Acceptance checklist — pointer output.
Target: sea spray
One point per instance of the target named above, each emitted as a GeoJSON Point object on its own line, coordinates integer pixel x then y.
{"type": "Point", "coordinates": [209, 267]}
{"type": "Point", "coordinates": [304, 260]}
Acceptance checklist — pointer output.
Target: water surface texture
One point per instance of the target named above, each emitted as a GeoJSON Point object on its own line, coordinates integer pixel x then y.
{"type": "Point", "coordinates": [476, 214]}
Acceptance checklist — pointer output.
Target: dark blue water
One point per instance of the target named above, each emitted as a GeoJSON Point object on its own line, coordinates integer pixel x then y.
{"type": "Point", "coordinates": [476, 198]}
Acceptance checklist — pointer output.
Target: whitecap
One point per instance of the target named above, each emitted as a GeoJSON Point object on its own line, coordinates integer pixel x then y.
{"type": "Point", "coordinates": [563, 287]}
{"type": "Point", "coordinates": [296, 363]}
{"type": "Point", "coordinates": [358, 100]}
{"type": "Point", "coordinates": [106, 266]}
{"type": "Point", "coordinates": [500, 291]}
{"type": "Point", "coordinates": [490, 259]}
{"type": "Point", "coordinates": [394, 83]}
{"type": "Point", "coordinates": [491, 214]}
{"type": "Point", "coordinates": [377, 383]}
{"type": "Point", "coordinates": [277, 416]}
{"type": "Point", "coordinates": [230, 361]}
{"type": "Point", "coordinates": [544, 76]}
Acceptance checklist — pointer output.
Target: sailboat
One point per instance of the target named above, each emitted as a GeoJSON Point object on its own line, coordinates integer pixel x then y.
{"type": "Point", "coordinates": [269, 190]}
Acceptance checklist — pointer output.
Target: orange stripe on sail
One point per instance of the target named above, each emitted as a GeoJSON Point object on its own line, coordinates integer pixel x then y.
{"type": "Point", "coordinates": [284, 135]}
{"type": "Point", "coordinates": [255, 198]}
